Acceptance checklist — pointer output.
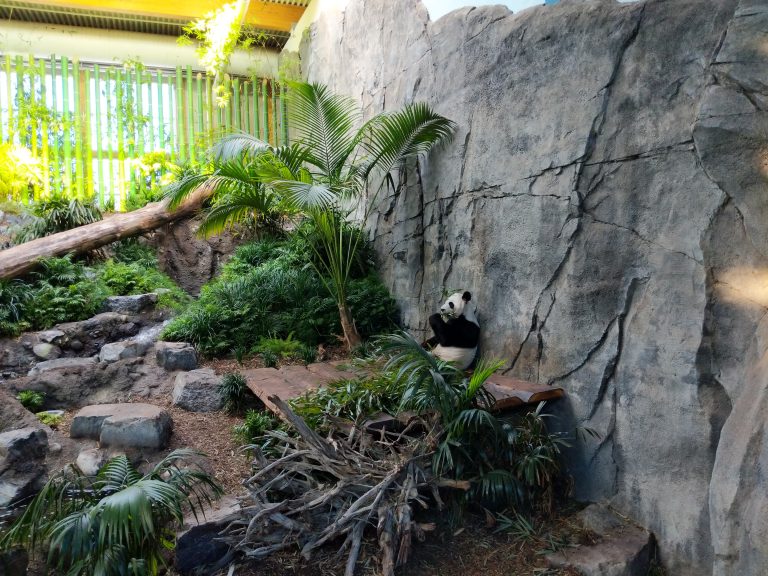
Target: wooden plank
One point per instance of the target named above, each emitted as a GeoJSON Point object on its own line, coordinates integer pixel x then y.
{"type": "Point", "coordinates": [510, 392]}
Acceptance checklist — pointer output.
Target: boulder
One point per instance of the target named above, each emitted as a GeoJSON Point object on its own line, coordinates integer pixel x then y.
{"type": "Point", "coordinates": [197, 547]}
{"type": "Point", "coordinates": [93, 333]}
{"type": "Point", "coordinates": [14, 562]}
{"type": "Point", "coordinates": [123, 425]}
{"type": "Point", "coordinates": [115, 351]}
{"type": "Point", "coordinates": [90, 461]}
{"type": "Point", "coordinates": [66, 365]}
{"type": "Point", "coordinates": [52, 336]}
{"type": "Point", "coordinates": [45, 351]}
{"type": "Point", "coordinates": [22, 459]}
{"type": "Point", "coordinates": [130, 304]}
{"type": "Point", "coordinates": [197, 391]}
{"type": "Point", "coordinates": [74, 382]}
{"type": "Point", "coordinates": [175, 356]}
{"type": "Point", "coordinates": [20, 448]}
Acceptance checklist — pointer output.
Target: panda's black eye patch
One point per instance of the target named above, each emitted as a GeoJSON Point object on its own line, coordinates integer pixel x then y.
{"type": "Point", "coordinates": [450, 304]}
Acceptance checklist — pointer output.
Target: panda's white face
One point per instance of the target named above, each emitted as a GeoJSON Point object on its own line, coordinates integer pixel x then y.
{"type": "Point", "coordinates": [454, 306]}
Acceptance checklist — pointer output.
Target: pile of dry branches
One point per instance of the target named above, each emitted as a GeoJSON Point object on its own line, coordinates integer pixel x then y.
{"type": "Point", "coordinates": [322, 489]}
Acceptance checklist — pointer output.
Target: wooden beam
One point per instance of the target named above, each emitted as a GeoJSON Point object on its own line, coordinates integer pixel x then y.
{"type": "Point", "coordinates": [261, 13]}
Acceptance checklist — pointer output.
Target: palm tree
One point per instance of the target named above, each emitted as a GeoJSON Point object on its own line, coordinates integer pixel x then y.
{"type": "Point", "coordinates": [328, 169]}
{"type": "Point", "coordinates": [116, 523]}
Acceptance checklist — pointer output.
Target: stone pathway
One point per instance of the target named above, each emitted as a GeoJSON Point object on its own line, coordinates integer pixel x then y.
{"type": "Point", "coordinates": [291, 382]}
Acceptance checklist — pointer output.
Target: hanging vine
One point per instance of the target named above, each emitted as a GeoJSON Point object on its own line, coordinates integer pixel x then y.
{"type": "Point", "coordinates": [218, 34]}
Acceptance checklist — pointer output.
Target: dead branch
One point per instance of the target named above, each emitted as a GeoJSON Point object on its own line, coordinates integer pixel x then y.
{"type": "Point", "coordinates": [322, 489]}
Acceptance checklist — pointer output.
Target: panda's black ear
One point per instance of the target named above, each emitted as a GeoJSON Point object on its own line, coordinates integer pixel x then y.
{"type": "Point", "coordinates": [466, 296]}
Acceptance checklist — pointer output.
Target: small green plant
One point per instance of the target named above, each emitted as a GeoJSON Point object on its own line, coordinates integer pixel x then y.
{"type": "Point", "coordinates": [234, 391]}
{"type": "Point", "coordinates": [49, 419]}
{"type": "Point", "coordinates": [308, 354]}
{"type": "Point", "coordinates": [270, 359]}
{"type": "Point", "coordinates": [281, 347]}
{"type": "Point", "coordinates": [349, 399]}
{"type": "Point", "coordinates": [31, 400]}
{"type": "Point", "coordinates": [57, 214]}
{"type": "Point", "coordinates": [255, 425]}
{"type": "Point", "coordinates": [115, 524]}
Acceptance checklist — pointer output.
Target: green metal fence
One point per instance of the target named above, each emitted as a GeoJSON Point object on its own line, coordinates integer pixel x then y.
{"type": "Point", "coordinates": [113, 131]}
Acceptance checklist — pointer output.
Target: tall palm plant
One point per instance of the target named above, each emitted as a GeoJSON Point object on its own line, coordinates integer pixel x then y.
{"type": "Point", "coordinates": [331, 165]}
{"type": "Point", "coordinates": [114, 524]}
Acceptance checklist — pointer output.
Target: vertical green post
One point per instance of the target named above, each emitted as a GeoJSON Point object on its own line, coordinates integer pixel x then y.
{"type": "Point", "coordinates": [179, 114]}
{"type": "Point", "coordinates": [56, 143]}
{"type": "Point", "coordinates": [235, 103]}
{"type": "Point", "coordinates": [228, 109]}
{"type": "Point", "coordinates": [275, 113]}
{"type": "Point", "coordinates": [110, 132]}
{"type": "Point", "coordinates": [209, 109]}
{"type": "Point", "coordinates": [11, 131]}
{"type": "Point", "coordinates": [265, 108]}
{"type": "Point", "coordinates": [255, 96]}
{"type": "Point", "coordinates": [284, 114]}
{"type": "Point", "coordinates": [120, 140]}
{"type": "Point", "coordinates": [247, 106]}
{"type": "Point", "coordinates": [79, 182]}
{"type": "Point", "coordinates": [171, 120]}
{"type": "Point", "coordinates": [131, 122]}
{"type": "Point", "coordinates": [200, 112]}
{"type": "Point", "coordinates": [44, 134]}
{"type": "Point", "coordinates": [97, 120]}
{"type": "Point", "coordinates": [67, 120]}
{"type": "Point", "coordinates": [88, 136]}
{"type": "Point", "coordinates": [140, 112]}
{"type": "Point", "coordinates": [190, 127]}
{"type": "Point", "coordinates": [33, 120]}
{"type": "Point", "coordinates": [19, 92]}
{"type": "Point", "coordinates": [158, 87]}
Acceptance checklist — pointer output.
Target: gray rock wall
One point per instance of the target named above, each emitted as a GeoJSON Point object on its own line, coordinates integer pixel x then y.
{"type": "Point", "coordinates": [606, 200]}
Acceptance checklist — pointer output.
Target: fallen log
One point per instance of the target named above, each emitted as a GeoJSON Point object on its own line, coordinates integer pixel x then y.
{"type": "Point", "coordinates": [19, 260]}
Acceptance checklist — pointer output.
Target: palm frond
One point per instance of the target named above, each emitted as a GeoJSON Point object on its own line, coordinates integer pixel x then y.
{"type": "Point", "coordinates": [179, 190]}
{"type": "Point", "coordinates": [233, 146]}
{"type": "Point", "coordinates": [324, 122]}
{"type": "Point", "coordinates": [414, 130]}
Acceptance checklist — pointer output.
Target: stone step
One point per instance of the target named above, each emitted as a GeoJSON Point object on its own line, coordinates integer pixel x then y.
{"type": "Point", "coordinates": [131, 425]}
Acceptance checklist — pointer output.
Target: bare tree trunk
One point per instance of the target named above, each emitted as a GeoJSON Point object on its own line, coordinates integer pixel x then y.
{"type": "Point", "coordinates": [351, 335]}
{"type": "Point", "coordinates": [20, 259]}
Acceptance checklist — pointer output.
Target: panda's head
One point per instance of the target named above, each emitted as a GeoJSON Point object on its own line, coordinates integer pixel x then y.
{"type": "Point", "coordinates": [455, 305]}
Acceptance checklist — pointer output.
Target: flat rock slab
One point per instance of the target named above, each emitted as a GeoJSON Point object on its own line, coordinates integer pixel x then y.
{"type": "Point", "coordinates": [623, 552]}
{"type": "Point", "coordinates": [130, 304]}
{"type": "Point", "coordinates": [123, 425]}
{"type": "Point", "coordinates": [68, 364]}
{"type": "Point", "coordinates": [292, 381]}
{"type": "Point", "coordinates": [115, 351]}
{"type": "Point", "coordinates": [511, 392]}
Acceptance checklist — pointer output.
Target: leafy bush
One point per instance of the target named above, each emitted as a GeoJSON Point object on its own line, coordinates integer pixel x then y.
{"type": "Point", "coordinates": [52, 420]}
{"type": "Point", "coordinates": [115, 524]}
{"type": "Point", "coordinates": [269, 290]}
{"type": "Point", "coordinates": [508, 460]}
{"type": "Point", "coordinates": [234, 391]}
{"type": "Point", "coordinates": [31, 400]}
{"type": "Point", "coordinates": [57, 214]}
{"type": "Point", "coordinates": [349, 399]}
{"type": "Point", "coordinates": [63, 291]}
{"type": "Point", "coordinates": [255, 425]}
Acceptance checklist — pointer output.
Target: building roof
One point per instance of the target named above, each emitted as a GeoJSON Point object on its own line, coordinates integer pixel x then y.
{"type": "Point", "coordinates": [274, 17]}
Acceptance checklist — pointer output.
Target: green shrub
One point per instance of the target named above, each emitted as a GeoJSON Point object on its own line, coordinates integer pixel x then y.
{"type": "Point", "coordinates": [117, 523]}
{"type": "Point", "coordinates": [57, 214]}
{"type": "Point", "coordinates": [234, 391]}
{"type": "Point", "coordinates": [269, 290]}
{"type": "Point", "coordinates": [255, 425]}
{"type": "Point", "coordinates": [282, 347]}
{"type": "Point", "coordinates": [52, 420]}
{"type": "Point", "coordinates": [350, 399]}
{"type": "Point", "coordinates": [270, 359]}
{"type": "Point", "coordinates": [31, 400]}
{"type": "Point", "coordinates": [63, 291]}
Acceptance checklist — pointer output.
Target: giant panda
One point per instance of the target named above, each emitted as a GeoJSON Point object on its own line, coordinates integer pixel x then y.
{"type": "Point", "coordinates": [456, 330]}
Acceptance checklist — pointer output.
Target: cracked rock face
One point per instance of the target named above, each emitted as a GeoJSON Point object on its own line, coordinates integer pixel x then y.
{"type": "Point", "coordinates": [605, 199]}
